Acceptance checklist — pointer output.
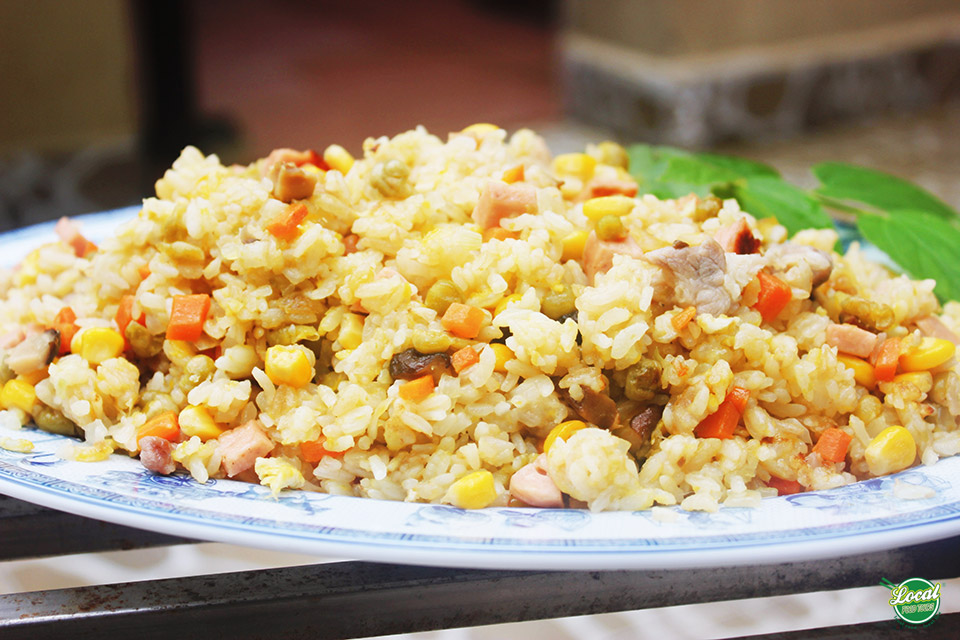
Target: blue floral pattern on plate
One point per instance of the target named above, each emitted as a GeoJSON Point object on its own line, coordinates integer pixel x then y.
{"type": "Point", "coordinates": [857, 518]}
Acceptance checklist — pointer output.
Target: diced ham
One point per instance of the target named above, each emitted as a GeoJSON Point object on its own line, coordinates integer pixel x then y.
{"type": "Point", "coordinates": [694, 276]}
{"type": "Point", "coordinates": [291, 183]}
{"type": "Point", "coordinates": [737, 238]}
{"type": "Point", "coordinates": [848, 338]}
{"type": "Point", "coordinates": [240, 447]}
{"type": "Point", "coordinates": [532, 485]}
{"type": "Point", "coordinates": [933, 327]}
{"type": "Point", "coordinates": [34, 353]}
{"type": "Point", "coordinates": [69, 232]}
{"type": "Point", "coordinates": [156, 454]}
{"type": "Point", "coordinates": [499, 200]}
{"type": "Point", "coordinates": [598, 254]}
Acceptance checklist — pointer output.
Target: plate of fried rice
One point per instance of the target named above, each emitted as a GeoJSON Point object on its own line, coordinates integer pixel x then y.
{"type": "Point", "coordinates": [469, 352]}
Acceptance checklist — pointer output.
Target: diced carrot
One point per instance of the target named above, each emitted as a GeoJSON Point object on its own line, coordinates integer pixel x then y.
{"type": "Point", "coordinates": [164, 426]}
{"type": "Point", "coordinates": [785, 487]}
{"type": "Point", "coordinates": [417, 389]}
{"type": "Point", "coordinates": [314, 451]}
{"type": "Point", "coordinates": [462, 320]}
{"type": "Point", "coordinates": [187, 316]}
{"type": "Point", "coordinates": [81, 246]}
{"type": "Point", "coordinates": [66, 323]}
{"type": "Point", "coordinates": [739, 397]}
{"type": "Point", "coordinates": [286, 224]}
{"type": "Point", "coordinates": [513, 174]}
{"type": "Point", "coordinates": [464, 358]}
{"type": "Point", "coordinates": [723, 422]}
{"type": "Point", "coordinates": [499, 233]}
{"type": "Point", "coordinates": [832, 445]}
{"type": "Point", "coordinates": [143, 271]}
{"type": "Point", "coordinates": [774, 296]}
{"type": "Point", "coordinates": [683, 318]}
{"type": "Point", "coordinates": [125, 314]}
{"type": "Point", "coordinates": [887, 359]}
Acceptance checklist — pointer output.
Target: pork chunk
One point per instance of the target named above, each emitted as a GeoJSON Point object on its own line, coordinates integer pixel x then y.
{"type": "Point", "coordinates": [598, 254]}
{"type": "Point", "coordinates": [695, 275]}
{"type": "Point", "coordinates": [156, 454]}
{"type": "Point", "coordinates": [848, 338]}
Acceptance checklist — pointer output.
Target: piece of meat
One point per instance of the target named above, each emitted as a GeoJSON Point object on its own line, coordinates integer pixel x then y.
{"type": "Point", "coordinates": [156, 454]}
{"type": "Point", "coordinates": [291, 183]}
{"type": "Point", "coordinates": [598, 254]}
{"type": "Point", "coordinates": [737, 238]}
{"type": "Point", "coordinates": [695, 275]}
{"type": "Point", "coordinates": [499, 200]}
{"type": "Point", "coordinates": [791, 256]}
{"type": "Point", "coordinates": [239, 448]}
{"type": "Point", "coordinates": [645, 421]}
{"type": "Point", "coordinates": [848, 338]}
{"type": "Point", "coordinates": [933, 327]}
{"type": "Point", "coordinates": [596, 407]}
{"type": "Point", "coordinates": [34, 353]}
{"type": "Point", "coordinates": [532, 485]}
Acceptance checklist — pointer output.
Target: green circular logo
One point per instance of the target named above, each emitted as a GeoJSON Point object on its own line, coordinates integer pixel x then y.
{"type": "Point", "coordinates": [916, 601]}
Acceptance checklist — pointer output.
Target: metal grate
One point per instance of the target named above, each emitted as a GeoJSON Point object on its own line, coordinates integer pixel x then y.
{"type": "Point", "coordinates": [354, 599]}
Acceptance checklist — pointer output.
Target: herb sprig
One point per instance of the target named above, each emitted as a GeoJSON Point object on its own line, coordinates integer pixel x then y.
{"type": "Point", "coordinates": [917, 230]}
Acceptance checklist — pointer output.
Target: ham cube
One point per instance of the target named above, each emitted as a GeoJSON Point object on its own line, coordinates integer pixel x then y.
{"type": "Point", "coordinates": [240, 447]}
{"type": "Point", "coordinates": [598, 254]}
{"type": "Point", "coordinates": [848, 338]}
{"type": "Point", "coordinates": [499, 200]}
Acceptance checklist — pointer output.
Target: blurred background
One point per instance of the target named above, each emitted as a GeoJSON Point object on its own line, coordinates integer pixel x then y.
{"type": "Point", "coordinates": [99, 96]}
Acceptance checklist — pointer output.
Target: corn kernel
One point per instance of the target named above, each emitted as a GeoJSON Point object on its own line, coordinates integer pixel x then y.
{"type": "Point", "coordinates": [338, 158]}
{"type": "Point", "coordinates": [288, 365]}
{"type": "Point", "coordinates": [503, 354]}
{"type": "Point", "coordinates": [77, 341]}
{"type": "Point", "coordinates": [922, 380]}
{"type": "Point", "coordinates": [862, 370]}
{"type": "Point", "coordinates": [514, 297]}
{"type": "Point", "coordinates": [616, 205]}
{"type": "Point", "coordinates": [563, 431]}
{"type": "Point", "coordinates": [894, 449]}
{"type": "Point", "coordinates": [579, 165]}
{"type": "Point", "coordinates": [17, 445]}
{"type": "Point", "coordinates": [312, 169]}
{"type": "Point", "coordinates": [99, 344]}
{"type": "Point", "coordinates": [479, 129]}
{"type": "Point", "coordinates": [573, 245]}
{"type": "Point", "coordinates": [18, 394]}
{"type": "Point", "coordinates": [93, 453]}
{"type": "Point", "coordinates": [473, 491]}
{"type": "Point", "coordinates": [929, 354]}
{"type": "Point", "coordinates": [196, 421]}
{"type": "Point", "coordinates": [351, 331]}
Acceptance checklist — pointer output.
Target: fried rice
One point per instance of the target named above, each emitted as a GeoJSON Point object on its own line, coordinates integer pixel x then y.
{"type": "Point", "coordinates": [478, 323]}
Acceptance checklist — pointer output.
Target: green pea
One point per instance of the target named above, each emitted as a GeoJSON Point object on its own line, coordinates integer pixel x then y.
{"type": "Point", "coordinates": [558, 302]}
{"type": "Point", "coordinates": [441, 295]}
{"type": "Point", "coordinates": [610, 228]}
{"type": "Point", "coordinates": [51, 420]}
{"type": "Point", "coordinates": [431, 341]}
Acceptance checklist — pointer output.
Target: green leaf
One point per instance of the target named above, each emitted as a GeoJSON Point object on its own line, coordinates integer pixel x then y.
{"type": "Point", "coordinates": [745, 168]}
{"type": "Point", "coordinates": [766, 197]}
{"type": "Point", "coordinates": [922, 243]}
{"type": "Point", "coordinates": [647, 166]}
{"type": "Point", "coordinates": [876, 189]}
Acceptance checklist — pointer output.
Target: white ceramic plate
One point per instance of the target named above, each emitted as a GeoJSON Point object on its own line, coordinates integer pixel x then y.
{"type": "Point", "coordinates": [862, 517]}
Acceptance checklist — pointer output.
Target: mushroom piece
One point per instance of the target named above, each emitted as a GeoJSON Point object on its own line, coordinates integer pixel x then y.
{"type": "Point", "coordinates": [411, 364]}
